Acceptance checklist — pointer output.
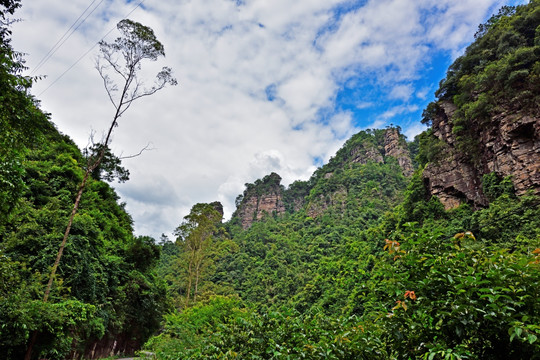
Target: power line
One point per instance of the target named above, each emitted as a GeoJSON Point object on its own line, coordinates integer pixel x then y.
{"type": "Point", "coordinates": [88, 51]}
{"type": "Point", "coordinates": [65, 37]}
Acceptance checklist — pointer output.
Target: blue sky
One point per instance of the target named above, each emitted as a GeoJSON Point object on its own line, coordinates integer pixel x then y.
{"type": "Point", "coordinates": [264, 86]}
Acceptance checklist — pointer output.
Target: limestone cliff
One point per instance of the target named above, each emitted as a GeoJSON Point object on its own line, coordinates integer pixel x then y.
{"type": "Point", "coordinates": [268, 197]}
{"type": "Point", "coordinates": [509, 145]}
{"type": "Point", "coordinates": [388, 142]}
{"type": "Point", "coordinates": [394, 145]}
{"type": "Point", "coordinates": [264, 197]}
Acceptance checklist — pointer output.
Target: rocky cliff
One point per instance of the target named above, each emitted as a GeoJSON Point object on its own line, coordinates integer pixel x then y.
{"type": "Point", "coordinates": [268, 196]}
{"type": "Point", "coordinates": [509, 145]}
{"type": "Point", "coordinates": [394, 145]}
{"type": "Point", "coordinates": [374, 146]}
{"type": "Point", "coordinates": [487, 112]}
{"type": "Point", "coordinates": [263, 198]}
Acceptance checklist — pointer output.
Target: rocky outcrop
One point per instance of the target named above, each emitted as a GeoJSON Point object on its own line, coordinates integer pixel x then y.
{"type": "Point", "coordinates": [509, 145]}
{"type": "Point", "coordinates": [395, 146]}
{"type": "Point", "coordinates": [512, 147]}
{"type": "Point", "coordinates": [263, 198]}
{"type": "Point", "coordinates": [268, 197]}
{"type": "Point", "coordinates": [362, 154]}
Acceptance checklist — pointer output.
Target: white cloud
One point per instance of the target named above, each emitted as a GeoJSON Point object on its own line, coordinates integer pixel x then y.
{"type": "Point", "coordinates": [398, 110]}
{"type": "Point", "coordinates": [218, 130]}
{"type": "Point", "coordinates": [401, 92]}
{"type": "Point", "coordinates": [422, 93]}
{"type": "Point", "coordinates": [411, 130]}
{"type": "Point", "coordinates": [364, 105]}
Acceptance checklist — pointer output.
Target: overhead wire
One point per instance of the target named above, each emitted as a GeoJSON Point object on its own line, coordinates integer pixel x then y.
{"type": "Point", "coordinates": [88, 51]}
{"type": "Point", "coordinates": [66, 35]}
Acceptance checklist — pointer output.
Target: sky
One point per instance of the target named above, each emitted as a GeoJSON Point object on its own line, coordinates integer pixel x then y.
{"type": "Point", "coordinates": [263, 85]}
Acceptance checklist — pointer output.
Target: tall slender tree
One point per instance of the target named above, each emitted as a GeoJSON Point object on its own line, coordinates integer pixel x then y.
{"type": "Point", "coordinates": [119, 64]}
{"type": "Point", "coordinates": [196, 237]}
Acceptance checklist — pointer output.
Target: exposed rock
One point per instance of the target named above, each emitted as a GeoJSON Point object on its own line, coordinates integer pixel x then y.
{"type": "Point", "coordinates": [394, 146]}
{"type": "Point", "coordinates": [362, 154]}
{"type": "Point", "coordinates": [454, 181]}
{"type": "Point", "coordinates": [263, 198]}
{"type": "Point", "coordinates": [513, 148]}
{"type": "Point", "coordinates": [267, 197]}
{"type": "Point", "coordinates": [509, 145]}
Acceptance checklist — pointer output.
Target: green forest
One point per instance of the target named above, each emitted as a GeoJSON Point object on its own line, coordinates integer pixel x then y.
{"type": "Point", "coordinates": [361, 261]}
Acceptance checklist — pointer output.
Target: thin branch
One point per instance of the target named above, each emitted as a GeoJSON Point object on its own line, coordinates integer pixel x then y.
{"type": "Point", "coordinates": [138, 154]}
{"type": "Point", "coordinates": [116, 68]}
{"type": "Point", "coordinates": [106, 86]}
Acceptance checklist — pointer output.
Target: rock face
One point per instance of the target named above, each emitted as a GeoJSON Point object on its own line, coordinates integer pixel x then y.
{"type": "Point", "coordinates": [263, 198]}
{"type": "Point", "coordinates": [509, 146]}
{"type": "Point", "coordinates": [268, 197]}
{"type": "Point", "coordinates": [513, 148]}
{"type": "Point", "coordinates": [394, 146]}
{"type": "Point", "coordinates": [362, 154]}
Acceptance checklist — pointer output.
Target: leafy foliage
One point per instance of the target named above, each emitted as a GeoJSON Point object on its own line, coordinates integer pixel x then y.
{"type": "Point", "coordinates": [371, 268]}
{"type": "Point", "coordinates": [364, 264]}
{"type": "Point", "coordinates": [103, 263]}
{"type": "Point", "coordinates": [499, 72]}
{"type": "Point", "coordinates": [106, 277]}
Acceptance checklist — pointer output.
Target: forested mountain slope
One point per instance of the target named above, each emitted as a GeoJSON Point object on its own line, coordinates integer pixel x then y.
{"type": "Point", "coordinates": [368, 260]}
{"type": "Point", "coordinates": [393, 250]}
{"type": "Point", "coordinates": [487, 115]}
{"type": "Point", "coordinates": [105, 279]}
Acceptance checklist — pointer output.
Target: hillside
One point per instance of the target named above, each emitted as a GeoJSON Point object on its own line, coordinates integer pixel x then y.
{"type": "Point", "coordinates": [391, 250]}
{"type": "Point", "coordinates": [332, 186]}
{"type": "Point", "coordinates": [428, 249]}
{"type": "Point", "coordinates": [105, 279]}
{"type": "Point", "coordinates": [486, 117]}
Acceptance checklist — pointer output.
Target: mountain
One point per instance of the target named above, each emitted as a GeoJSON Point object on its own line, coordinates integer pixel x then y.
{"type": "Point", "coordinates": [328, 187]}
{"type": "Point", "coordinates": [486, 118]}
{"type": "Point", "coordinates": [393, 250]}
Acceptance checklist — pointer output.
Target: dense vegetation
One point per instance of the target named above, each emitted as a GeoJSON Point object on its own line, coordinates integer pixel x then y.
{"type": "Point", "coordinates": [340, 288]}
{"type": "Point", "coordinates": [373, 267]}
{"type": "Point", "coordinates": [500, 72]}
{"type": "Point", "coordinates": [105, 279]}
{"type": "Point", "coordinates": [363, 264]}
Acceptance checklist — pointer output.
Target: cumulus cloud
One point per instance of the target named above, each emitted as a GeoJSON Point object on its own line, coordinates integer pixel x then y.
{"type": "Point", "coordinates": [258, 86]}
{"type": "Point", "coordinates": [398, 110]}
{"type": "Point", "coordinates": [401, 92]}
{"type": "Point", "coordinates": [411, 130]}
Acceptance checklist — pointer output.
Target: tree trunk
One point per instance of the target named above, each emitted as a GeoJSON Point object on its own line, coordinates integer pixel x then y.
{"type": "Point", "coordinates": [196, 283]}
{"type": "Point", "coordinates": [190, 276]}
